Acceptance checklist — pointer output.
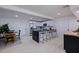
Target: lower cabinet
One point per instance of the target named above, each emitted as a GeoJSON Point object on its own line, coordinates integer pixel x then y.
{"type": "Point", "coordinates": [35, 36]}
{"type": "Point", "coordinates": [71, 44]}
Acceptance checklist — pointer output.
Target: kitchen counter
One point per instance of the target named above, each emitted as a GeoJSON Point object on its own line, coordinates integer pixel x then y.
{"type": "Point", "coordinates": [71, 42]}
{"type": "Point", "coordinates": [40, 35]}
{"type": "Point", "coordinates": [36, 35]}
{"type": "Point", "coordinates": [72, 33]}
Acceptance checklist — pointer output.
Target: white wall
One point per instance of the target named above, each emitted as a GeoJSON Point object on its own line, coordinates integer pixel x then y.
{"type": "Point", "coordinates": [49, 23]}
{"type": "Point", "coordinates": [65, 23]}
{"type": "Point", "coordinates": [62, 24]}
{"type": "Point", "coordinates": [20, 24]}
{"type": "Point", "coordinates": [16, 24]}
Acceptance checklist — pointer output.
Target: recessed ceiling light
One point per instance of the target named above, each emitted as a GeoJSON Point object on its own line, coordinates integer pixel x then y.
{"type": "Point", "coordinates": [31, 18]}
{"type": "Point", "coordinates": [58, 13]}
{"type": "Point", "coordinates": [16, 16]}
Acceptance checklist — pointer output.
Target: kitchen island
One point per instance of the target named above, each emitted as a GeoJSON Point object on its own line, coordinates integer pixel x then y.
{"type": "Point", "coordinates": [71, 42]}
{"type": "Point", "coordinates": [43, 35]}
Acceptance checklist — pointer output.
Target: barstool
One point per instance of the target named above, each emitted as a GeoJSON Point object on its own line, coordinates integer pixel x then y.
{"type": "Point", "coordinates": [54, 33]}
{"type": "Point", "coordinates": [43, 36]}
{"type": "Point", "coordinates": [49, 35]}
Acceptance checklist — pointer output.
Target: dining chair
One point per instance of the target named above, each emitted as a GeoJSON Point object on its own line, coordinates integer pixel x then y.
{"type": "Point", "coordinates": [18, 34]}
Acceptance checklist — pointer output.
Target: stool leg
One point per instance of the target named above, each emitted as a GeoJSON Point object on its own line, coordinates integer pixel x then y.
{"type": "Point", "coordinates": [41, 37]}
{"type": "Point", "coordinates": [46, 37]}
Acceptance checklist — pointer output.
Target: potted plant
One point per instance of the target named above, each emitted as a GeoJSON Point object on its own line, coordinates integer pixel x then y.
{"type": "Point", "coordinates": [4, 28]}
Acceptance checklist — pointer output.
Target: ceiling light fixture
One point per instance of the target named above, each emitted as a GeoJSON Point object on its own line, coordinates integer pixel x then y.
{"type": "Point", "coordinates": [31, 18]}
{"type": "Point", "coordinates": [58, 13]}
{"type": "Point", "coordinates": [16, 16]}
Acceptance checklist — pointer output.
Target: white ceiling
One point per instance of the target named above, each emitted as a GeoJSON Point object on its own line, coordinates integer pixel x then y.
{"type": "Point", "coordinates": [6, 13]}
{"type": "Point", "coordinates": [75, 10]}
{"type": "Point", "coordinates": [48, 10]}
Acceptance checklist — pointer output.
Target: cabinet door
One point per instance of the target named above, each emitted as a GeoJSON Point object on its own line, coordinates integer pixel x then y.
{"type": "Point", "coordinates": [67, 42]}
{"type": "Point", "coordinates": [35, 36]}
{"type": "Point", "coordinates": [71, 43]}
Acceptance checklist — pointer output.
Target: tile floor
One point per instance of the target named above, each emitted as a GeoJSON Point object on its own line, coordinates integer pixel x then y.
{"type": "Point", "coordinates": [27, 45]}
